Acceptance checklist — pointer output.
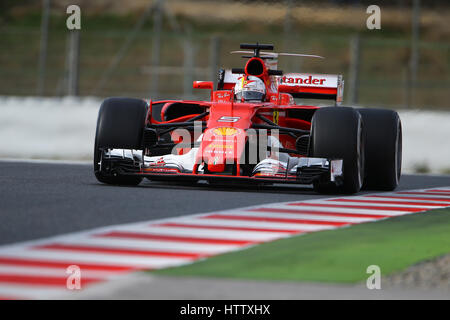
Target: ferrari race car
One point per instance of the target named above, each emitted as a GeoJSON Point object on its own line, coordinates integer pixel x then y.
{"type": "Point", "coordinates": [251, 131]}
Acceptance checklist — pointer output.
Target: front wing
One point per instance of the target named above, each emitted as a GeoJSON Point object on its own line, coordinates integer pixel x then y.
{"type": "Point", "coordinates": [303, 170]}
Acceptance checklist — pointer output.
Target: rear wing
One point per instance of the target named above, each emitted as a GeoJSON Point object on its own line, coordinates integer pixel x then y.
{"type": "Point", "coordinates": [299, 85]}
{"type": "Point", "coordinates": [312, 86]}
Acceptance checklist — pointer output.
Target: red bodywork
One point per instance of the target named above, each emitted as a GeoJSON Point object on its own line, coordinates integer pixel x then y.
{"type": "Point", "coordinates": [228, 121]}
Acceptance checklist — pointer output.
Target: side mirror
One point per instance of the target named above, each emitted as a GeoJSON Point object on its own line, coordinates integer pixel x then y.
{"type": "Point", "coordinates": [203, 85]}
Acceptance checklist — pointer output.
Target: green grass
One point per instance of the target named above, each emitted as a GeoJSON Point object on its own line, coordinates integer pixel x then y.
{"type": "Point", "coordinates": [341, 255]}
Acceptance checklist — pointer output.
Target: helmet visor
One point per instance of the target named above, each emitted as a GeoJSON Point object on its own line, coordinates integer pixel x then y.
{"type": "Point", "coordinates": [252, 95]}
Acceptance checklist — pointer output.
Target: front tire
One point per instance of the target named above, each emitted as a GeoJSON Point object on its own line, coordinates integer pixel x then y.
{"type": "Point", "coordinates": [337, 133]}
{"type": "Point", "coordinates": [120, 125]}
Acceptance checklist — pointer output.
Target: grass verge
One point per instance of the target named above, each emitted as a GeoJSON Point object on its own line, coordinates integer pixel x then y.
{"type": "Point", "coordinates": [341, 255]}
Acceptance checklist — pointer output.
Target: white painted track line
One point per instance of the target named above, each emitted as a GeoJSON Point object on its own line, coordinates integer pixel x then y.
{"type": "Point", "coordinates": [53, 272]}
{"type": "Point", "coordinates": [319, 218]}
{"type": "Point", "coordinates": [150, 245]}
{"type": "Point", "coordinates": [368, 204]}
{"type": "Point", "coordinates": [386, 200]}
{"type": "Point", "coordinates": [218, 234]}
{"type": "Point", "coordinates": [256, 224]}
{"type": "Point", "coordinates": [335, 209]}
{"type": "Point", "coordinates": [89, 257]}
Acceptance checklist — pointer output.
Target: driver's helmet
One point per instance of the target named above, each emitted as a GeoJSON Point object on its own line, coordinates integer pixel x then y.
{"type": "Point", "coordinates": [250, 89]}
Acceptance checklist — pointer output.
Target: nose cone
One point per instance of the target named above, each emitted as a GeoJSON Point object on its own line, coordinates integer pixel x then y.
{"type": "Point", "coordinates": [221, 146]}
{"type": "Point", "coordinates": [217, 165]}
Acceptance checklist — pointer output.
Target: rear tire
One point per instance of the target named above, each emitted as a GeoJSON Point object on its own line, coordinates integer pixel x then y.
{"type": "Point", "coordinates": [120, 125]}
{"type": "Point", "coordinates": [337, 133]}
{"type": "Point", "coordinates": [383, 130]}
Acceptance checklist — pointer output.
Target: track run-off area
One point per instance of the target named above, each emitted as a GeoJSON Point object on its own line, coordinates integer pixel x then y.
{"type": "Point", "coordinates": [57, 215]}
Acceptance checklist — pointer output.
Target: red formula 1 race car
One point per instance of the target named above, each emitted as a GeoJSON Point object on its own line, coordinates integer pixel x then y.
{"type": "Point", "coordinates": [251, 131]}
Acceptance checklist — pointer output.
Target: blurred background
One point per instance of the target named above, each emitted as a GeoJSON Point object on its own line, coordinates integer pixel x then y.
{"type": "Point", "coordinates": [156, 48]}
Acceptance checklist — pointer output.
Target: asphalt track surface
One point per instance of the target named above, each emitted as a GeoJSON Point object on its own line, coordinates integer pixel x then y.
{"type": "Point", "coordinates": [45, 199]}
